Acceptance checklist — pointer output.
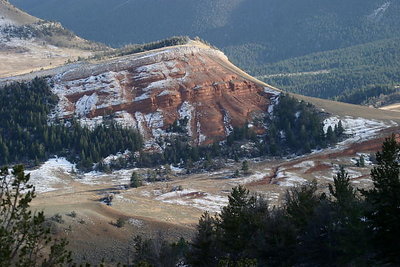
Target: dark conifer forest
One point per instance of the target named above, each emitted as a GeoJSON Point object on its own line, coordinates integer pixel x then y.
{"type": "Point", "coordinates": [26, 135]}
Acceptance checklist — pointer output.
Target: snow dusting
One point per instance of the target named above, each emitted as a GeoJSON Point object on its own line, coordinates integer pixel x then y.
{"type": "Point", "coordinates": [186, 111]}
{"type": "Point", "coordinates": [378, 13]}
{"type": "Point", "coordinates": [49, 175]}
{"type": "Point", "coordinates": [86, 104]}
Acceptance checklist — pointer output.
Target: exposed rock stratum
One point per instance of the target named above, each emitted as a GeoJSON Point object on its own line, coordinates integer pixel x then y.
{"type": "Point", "coordinates": [152, 90]}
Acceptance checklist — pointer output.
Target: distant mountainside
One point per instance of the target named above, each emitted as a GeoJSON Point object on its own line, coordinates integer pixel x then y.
{"type": "Point", "coordinates": [355, 74]}
{"type": "Point", "coordinates": [28, 43]}
{"type": "Point", "coordinates": [250, 31]}
{"type": "Point", "coordinates": [254, 34]}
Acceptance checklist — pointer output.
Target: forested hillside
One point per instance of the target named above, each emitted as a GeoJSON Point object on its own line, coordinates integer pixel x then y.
{"type": "Point", "coordinates": [257, 33]}
{"type": "Point", "coordinates": [343, 72]}
{"type": "Point", "coordinates": [251, 31]}
{"type": "Point", "coordinates": [26, 136]}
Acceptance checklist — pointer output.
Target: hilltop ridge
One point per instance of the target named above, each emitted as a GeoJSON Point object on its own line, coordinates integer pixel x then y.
{"type": "Point", "coordinates": [28, 43]}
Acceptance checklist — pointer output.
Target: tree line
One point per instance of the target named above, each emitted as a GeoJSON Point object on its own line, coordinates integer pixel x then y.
{"type": "Point", "coordinates": [27, 136]}
{"type": "Point", "coordinates": [315, 226]}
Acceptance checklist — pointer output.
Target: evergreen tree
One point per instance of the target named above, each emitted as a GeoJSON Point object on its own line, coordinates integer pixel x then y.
{"type": "Point", "coordinates": [384, 199]}
{"type": "Point", "coordinates": [25, 239]}
{"type": "Point", "coordinates": [135, 180]}
{"type": "Point", "coordinates": [245, 167]}
{"type": "Point", "coordinates": [204, 250]}
{"type": "Point", "coordinates": [235, 230]}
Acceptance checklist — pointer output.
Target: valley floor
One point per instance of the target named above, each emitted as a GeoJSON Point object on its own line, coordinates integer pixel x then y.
{"type": "Point", "coordinates": [173, 208]}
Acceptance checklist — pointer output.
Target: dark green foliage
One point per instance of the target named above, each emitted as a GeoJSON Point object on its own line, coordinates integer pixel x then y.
{"type": "Point", "coordinates": [135, 181]}
{"type": "Point", "coordinates": [384, 200]}
{"type": "Point", "coordinates": [24, 236]}
{"type": "Point", "coordinates": [297, 127]}
{"type": "Point", "coordinates": [204, 250]}
{"type": "Point", "coordinates": [120, 222]}
{"type": "Point", "coordinates": [137, 48]}
{"type": "Point", "coordinates": [158, 252]}
{"type": "Point", "coordinates": [26, 135]}
{"type": "Point", "coordinates": [179, 126]}
{"type": "Point", "coordinates": [361, 162]}
{"type": "Point", "coordinates": [357, 75]}
{"type": "Point", "coordinates": [364, 95]}
{"type": "Point", "coordinates": [252, 32]}
{"type": "Point", "coordinates": [311, 228]}
{"type": "Point", "coordinates": [245, 166]}
{"type": "Point", "coordinates": [357, 48]}
{"type": "Point", "coordinates": [301, 202]}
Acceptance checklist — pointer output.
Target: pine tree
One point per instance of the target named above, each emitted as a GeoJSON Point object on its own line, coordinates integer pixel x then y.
{"type": "Point", "coordinates": [135, 180]}
{"type": "Point", "coordinates": [330, 135]}
{"type": "Point", "coordinates": [384, 199]}
{"type": "Point", "coordinates": [340, 128]}
{"type": "Point", "coordinates": [25, 239]}
{"type": "Point", "coordinates": [342, 189]}
{"type": "Point", "coordinates": [245, 167]}
{"type": "Point", "coordinates": [204, 245]}
{"type": "Point", "coordinates": [236, 231]}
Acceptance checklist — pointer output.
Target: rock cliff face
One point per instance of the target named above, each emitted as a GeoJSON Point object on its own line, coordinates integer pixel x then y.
{"type": "Point", "coordinates": [152, 90]}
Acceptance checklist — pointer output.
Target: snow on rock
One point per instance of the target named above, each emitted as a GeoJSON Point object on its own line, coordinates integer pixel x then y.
{"type": "Point", "coordinates": [227, 123]}
{"type": "Point", "coordinates": [194, 198]}
{"type": "Point", "coordinates": [271, 91]}
{"type": "Point", "coordinates": [155, 121]}
{"type": "Point", "coordinates": [274, 99]}
{"type": "Point", "coordinates": [252, 178]}
{"type": "Point", "coordinates": [201, 137]}
{"type": "Point", "coordinates": [109, 83]}
{"type": "Point", "coordinates": [48, 176]}
{"type": "Point", "coordinates": [292, 180]}
{"type": "Point", "coordinates": [91, 123]}
{"type": "Point", "coordinates": [358, 128]}
{"type": "Point", "coordinates": [5, 22]}
{"type": "Point", "coordinates": [186, 111]}
{"type": "Point", "coordinates": [86, 104]}
{"type": "Point", "coordinates": [110, 158]}
{"type": "Point", "coordinates": [142, 97]}
{"type": "Point", "coordinates": [125, 119]}
{"type": "Point", "coordinates": [288, 179]}
{"type": "Point", "coordinates": [305, 164]}
{"type": "Point", "coordinates": [135, 222]}
{"type": "Point", "coordinates": [140, 121]}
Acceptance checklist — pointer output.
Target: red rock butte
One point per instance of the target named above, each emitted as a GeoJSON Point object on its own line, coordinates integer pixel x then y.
{"type": "Point", "coordinates": [151, 90]}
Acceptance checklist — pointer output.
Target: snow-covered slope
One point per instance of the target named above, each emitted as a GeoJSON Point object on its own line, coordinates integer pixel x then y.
{"type": "Point", "coordinates": [28, 43]}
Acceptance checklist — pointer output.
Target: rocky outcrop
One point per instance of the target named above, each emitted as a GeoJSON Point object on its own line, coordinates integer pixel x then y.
{"type": "Point", "coordinates": [151, 90]}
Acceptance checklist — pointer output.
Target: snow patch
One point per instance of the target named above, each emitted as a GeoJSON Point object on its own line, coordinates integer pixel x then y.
{"type": "Point", "coordinates": [47, 176]}
{"type": "Point", "coordinates": [186, 111]}
{"type": "Point", "coordinates": [305, 164]}
{"type": "Point", "coordinates": [201, 137]}
{"type": "Point", "coordinates": [271, 91]}
{"type": "Point", "coordinates": [253, 178]}
{"type": "Point", "coordinates": [378, 13]}
{"type": "Point", "coordinates": [200, 200]}
{"type": "Point", "coordinates": [86, 104]}
{"type": "Point", "coordinates": [358, 128]}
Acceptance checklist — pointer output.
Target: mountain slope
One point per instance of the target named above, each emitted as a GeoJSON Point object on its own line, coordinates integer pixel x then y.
{"type": "Point", "coordinates": [339, 72]}
{"type": "Point", "coordinates": [28, 43]}
{"type": "Point", "coordinates": [269, 30]}
{"type": "Point", "coordinates": [152, 90]}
